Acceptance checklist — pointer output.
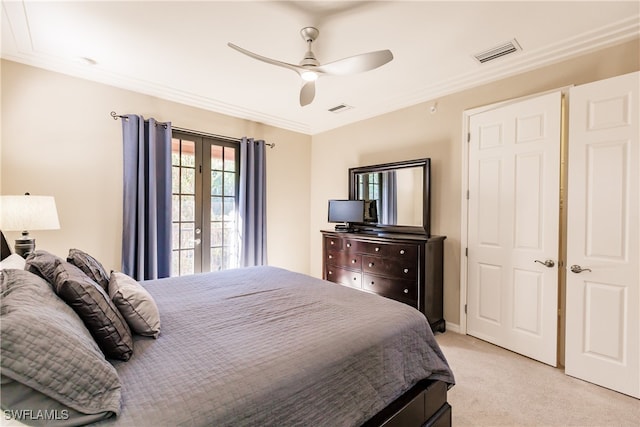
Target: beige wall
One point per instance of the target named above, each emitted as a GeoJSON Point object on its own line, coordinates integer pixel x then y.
{"type": "Point", "coordinates": [415, 133]}
{"type": "Point", "coordinates": [58, 139]}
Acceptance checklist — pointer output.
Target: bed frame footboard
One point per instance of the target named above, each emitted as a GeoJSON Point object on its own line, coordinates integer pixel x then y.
{"type": "Point", "coordinates": [425, 404]}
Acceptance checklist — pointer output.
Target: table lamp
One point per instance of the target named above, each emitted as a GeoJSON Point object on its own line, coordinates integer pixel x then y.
{"type": "Point", "coordinates": [22, 213]}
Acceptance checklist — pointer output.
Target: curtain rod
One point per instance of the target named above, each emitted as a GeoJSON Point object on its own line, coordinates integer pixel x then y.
{"type": "Point", "coordinates": [116, 117]}
{"type": "Point", "coordinates": [193, 132]}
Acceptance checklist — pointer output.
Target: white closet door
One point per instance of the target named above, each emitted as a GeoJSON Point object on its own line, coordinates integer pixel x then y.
{"type": "Point", "coordinates": [603, 235]}
{"type": "Point", "coordinates": [513, 220]}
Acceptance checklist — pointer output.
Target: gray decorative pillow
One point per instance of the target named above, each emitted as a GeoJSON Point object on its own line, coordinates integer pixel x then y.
{"type": "Point", "coordinates": [90, 266]}
{"type": "Point", "coordinates": [46, 347]}
{"type": "Point", "coordinates": [135, 303]}
{"type": "Point", "coordinates": [96, 310]}
{"type": "Point", "coordinates": [42, 263]}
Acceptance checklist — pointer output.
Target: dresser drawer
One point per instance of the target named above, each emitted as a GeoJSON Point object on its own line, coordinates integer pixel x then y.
{"type": "Point", "coordinates": [344, 259]}
{"type": "Point", "coordinates": [344, 276]}
{"type": "Point", "coordinates": [394, 267]}
{"type": "Point", "coordinates": [365, 247]}
{"type": "Point", "coordinates": [402, 251]}
{"type": "Point", "coordinates": [332, 243]}
{"type": "Point", "coordinates": [401, 290]}
{"type": "Point", "coordinates": [393, 250]}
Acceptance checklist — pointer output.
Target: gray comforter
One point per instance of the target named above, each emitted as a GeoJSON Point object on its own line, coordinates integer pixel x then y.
{"type": "Point", "coordinates": [267, 347]}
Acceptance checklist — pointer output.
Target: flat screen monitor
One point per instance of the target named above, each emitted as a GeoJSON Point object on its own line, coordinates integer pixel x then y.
{"type": "Point", "coordinates": [346, 211]}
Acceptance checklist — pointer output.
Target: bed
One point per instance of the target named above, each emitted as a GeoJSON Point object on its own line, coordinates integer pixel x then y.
{"type": "Point", "coordinates": [270, 347]}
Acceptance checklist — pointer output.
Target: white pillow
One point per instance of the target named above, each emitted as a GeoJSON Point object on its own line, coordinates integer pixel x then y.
{"type": "Point", "coordinates": [12, 261]}
{"type": "Point", "coordinates": [135, 303]}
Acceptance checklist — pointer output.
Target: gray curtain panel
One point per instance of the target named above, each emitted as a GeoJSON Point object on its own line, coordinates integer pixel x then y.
{"type": "Point", "coordinates": [146, 234]}
{"type": "Point", "coordinates": [389, 214]}
{"type": "Point", "coordinates": [252, 205]}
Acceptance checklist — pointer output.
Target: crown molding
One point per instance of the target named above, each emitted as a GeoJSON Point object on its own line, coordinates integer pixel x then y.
{"type": "Point", "coordinates": [618, 32]}
{"type": "Point", "coordinates": [610, 35]}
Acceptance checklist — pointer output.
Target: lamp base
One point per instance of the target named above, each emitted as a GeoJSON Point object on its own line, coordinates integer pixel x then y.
{"type": "Point", "coordinates": [25, 245]}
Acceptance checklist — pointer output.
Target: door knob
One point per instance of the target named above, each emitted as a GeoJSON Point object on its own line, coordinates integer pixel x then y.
{"type": "Point", "coordinates": [548, 263]}
{"type": "Point", "coordinates": [577, 269]}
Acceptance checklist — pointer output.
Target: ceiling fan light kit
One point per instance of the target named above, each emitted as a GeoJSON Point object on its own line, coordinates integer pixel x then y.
{"type": "Point", "coordinates": [309, 76]}
{"type": "Point", "coordinates": [310, 68]}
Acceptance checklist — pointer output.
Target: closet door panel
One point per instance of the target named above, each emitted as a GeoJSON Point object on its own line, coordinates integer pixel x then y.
{"type": "Point", "coordinates": [603, 234]}
{"type": "Point", "coordinates": [513, 221]}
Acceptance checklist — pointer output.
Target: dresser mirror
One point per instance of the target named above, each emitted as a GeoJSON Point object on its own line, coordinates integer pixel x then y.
{"type": "Point", "coordinates": [402, 192]}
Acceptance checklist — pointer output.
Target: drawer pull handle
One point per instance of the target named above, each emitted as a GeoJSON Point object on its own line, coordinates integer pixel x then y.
{"type": "Point", "coordinates": [377, 249]}
{"type": "Point", "coordinates": [355, 278]}
{"type": "Point", "coordinates": [401, 251]}
{"type": "Point", "coordinates": [406, 270]}
{"type": "Point", "coordinates": [406, 291]}
{"type": "Point", "coordinates": [330, 256]}
{"type": "Point", "coordinates": [332, 242]}
{"type": "Point", "coordinates": [372, 283]}
{"type": "Point", "coordinates": [348, 245]}
{"type": "Point", "coordinates": [353, 261]}
{"type": "Point", "coordinates": [370, 264]}
{"type": "Point", "coordinates": [330, 273]}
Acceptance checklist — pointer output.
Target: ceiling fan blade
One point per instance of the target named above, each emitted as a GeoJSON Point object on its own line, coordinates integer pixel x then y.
{"type": "Point", "coordinates": [357, 63]}
{"type": "Point", "coordinates": [307, 93]}
{"type": "Point", "coordinates": [293, 67]}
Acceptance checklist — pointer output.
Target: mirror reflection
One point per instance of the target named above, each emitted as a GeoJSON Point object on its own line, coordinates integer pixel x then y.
{"type": "Point", "coordinates": [399, 194]}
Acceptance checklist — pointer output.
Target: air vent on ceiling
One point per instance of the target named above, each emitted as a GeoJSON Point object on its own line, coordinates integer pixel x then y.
{"type": "Point", "coordinates": [496, 52]}
{"type": "Point", "coordinates": [340, 108]}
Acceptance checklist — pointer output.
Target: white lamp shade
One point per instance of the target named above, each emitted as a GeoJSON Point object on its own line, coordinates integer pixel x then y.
{"type": "Point", "coordinates": [21, 213]}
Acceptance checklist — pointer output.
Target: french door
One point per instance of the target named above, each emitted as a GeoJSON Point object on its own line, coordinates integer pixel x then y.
{"type": "Point", "coordinates": [204, 204]}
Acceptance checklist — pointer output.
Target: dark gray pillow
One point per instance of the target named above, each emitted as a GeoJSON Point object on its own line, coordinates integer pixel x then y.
{"type": "Point", "coordinates": [90, 266]}
{"type": "Point", "coordinates": [96, 310]}
{"type": "Point", "coordinates": [47, 348]}
{"type": "Point", "coordinates": [42, 263]}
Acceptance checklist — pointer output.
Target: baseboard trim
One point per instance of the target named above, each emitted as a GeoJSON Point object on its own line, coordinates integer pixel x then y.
{"type": "Point", "coordinates": [453, 327]}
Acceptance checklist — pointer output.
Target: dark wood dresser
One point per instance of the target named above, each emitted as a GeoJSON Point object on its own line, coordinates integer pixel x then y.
{"type": "Point", "coordinates": [404, 267]}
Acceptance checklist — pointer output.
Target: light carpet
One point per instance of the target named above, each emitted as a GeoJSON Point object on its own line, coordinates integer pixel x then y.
{"type": "Point", "coordinates": [496, 387]}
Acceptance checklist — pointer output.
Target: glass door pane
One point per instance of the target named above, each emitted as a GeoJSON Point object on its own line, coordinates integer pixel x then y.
{"type": "Point", "coordinates": [185, 250]}
{"type": "Point", "coordinates": [223, 207]}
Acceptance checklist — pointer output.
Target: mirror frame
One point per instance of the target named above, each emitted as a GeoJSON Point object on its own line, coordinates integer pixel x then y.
{"type": "Point", "coordinates": [425, 164]}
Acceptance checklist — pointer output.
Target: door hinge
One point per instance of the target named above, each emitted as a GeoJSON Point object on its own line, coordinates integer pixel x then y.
{"type": "Point", "coordinates": [468, 136]}
{"type": "Point", "coordinates": [465, 309]}
{"type": "Point", "coordinates": [200, 168]}
{"type": "Point", "coordinates": [466, 251]}
{"type": "Point", "coordinates": [467, 194]}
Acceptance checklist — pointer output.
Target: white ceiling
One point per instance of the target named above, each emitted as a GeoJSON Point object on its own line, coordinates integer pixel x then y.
{"type": "Point", "coordinates": [178, 50]}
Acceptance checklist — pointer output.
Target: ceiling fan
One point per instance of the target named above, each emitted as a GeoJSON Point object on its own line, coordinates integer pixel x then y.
{"type": "Point", "coordinates": [310, 69]}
